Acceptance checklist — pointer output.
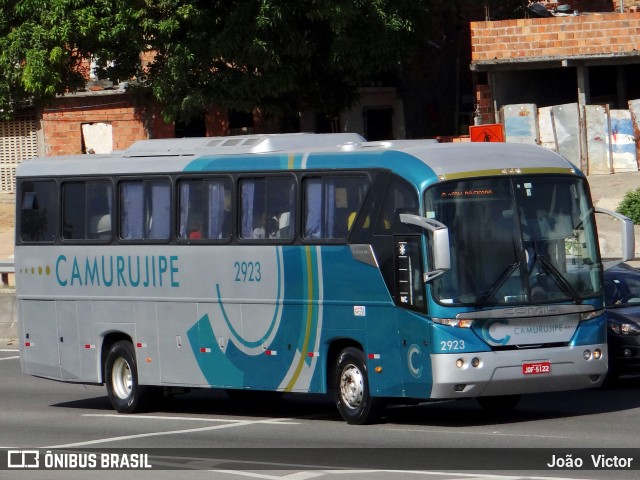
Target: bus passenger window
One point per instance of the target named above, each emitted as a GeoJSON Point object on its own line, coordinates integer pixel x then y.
{"type": "Point", "coordinates": [38, 211]}
{"type": "Point", "coordinates": [205, 209]}
{"type": "Point", "coordinates": [267, 207]}
{"type": "Point", "coordinates": [332, 204]}
{"type": "Point", "coordinates": [86, 210]}
{"type": "Point", "coordinates": [145, 210]}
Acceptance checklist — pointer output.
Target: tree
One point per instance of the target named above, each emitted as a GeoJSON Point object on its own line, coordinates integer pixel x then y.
{"type": "Point", "coordinates": [43, 44]}
{"type": "Point", "coordinates": [279, 55]}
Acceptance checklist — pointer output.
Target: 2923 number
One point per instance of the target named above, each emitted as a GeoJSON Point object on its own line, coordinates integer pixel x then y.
{"type": "Point", "coordinates": [452, 345]}
{"type": "Point", "coordinates": [247, 271]}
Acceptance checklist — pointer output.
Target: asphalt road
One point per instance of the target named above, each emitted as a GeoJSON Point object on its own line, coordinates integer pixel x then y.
{"type": "Point", "coordinates": [308, 438]}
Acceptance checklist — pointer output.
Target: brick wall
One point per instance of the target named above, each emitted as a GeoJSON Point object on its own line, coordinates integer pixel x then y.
{"type": "Point", "coordinates": [484, 105]}
{"type": "Point", "coordinates": [591, 34]}
{"type": "Point", "coordinates": [157, 126]}
{"type": "Point", "coordinates": [629, 5]}
{"type": "Point", "coordinates": [62, 122]}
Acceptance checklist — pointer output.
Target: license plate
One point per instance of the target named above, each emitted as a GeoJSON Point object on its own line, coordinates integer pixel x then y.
{"type": "Point", "coordinates": [536, 368]}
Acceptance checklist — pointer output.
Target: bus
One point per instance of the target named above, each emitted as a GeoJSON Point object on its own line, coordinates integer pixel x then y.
{"type": "Point", "coordinates": [379, 273]}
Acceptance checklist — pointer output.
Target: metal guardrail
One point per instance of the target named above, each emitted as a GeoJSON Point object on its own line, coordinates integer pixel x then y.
{"type": "Point", "coordinates": [6, 267]}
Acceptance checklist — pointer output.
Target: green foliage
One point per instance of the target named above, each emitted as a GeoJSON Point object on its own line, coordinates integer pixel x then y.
{"type": "Point", "coordinates": [281, 55]}
{"type": "Point", "coordinates": [42, 44]}
{"type": "Point", "coordinates": [630, 206]}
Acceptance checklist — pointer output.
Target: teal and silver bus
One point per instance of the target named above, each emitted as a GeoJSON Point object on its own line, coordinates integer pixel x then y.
{"type": "Point", "coordinates": [377, 272]}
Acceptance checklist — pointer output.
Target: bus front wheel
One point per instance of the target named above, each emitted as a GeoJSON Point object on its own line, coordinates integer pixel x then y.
{"type": "Point", "coordinates": [121, 378]}
{"type": "Point", "coordinates": [351, 388]}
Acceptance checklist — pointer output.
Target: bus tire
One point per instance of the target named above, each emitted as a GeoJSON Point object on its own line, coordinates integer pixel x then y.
{"type": "Point", "coordinates": [499, 403]}
{"type": "Point", "coordinates": [121, 378]}
{"type": "Point", "coordinates": [351, 389]}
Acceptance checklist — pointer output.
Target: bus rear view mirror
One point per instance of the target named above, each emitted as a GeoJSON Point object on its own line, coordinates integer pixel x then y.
{"type": "Point", "coordinates": [441, 256]}
{"type": "Point", "coordinates": [616, 237]}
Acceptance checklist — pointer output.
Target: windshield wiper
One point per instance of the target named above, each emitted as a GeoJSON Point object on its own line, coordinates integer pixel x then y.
{"type": "Point", "coordinates": [497, 284]}
{"type": "Point", "coordinates": [560, 279]}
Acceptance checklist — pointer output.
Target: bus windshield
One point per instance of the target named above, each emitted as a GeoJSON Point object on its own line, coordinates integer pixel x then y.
{"type": "Point", "coordinates": [516, 240]}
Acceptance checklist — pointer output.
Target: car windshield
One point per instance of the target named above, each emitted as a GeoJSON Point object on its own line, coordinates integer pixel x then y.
{"type": "Point", "coordinates": [621, 286]}
{"type": "Point", "coordinates": [516, 240]}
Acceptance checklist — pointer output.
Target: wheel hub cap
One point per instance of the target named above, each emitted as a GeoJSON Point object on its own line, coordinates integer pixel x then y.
{"type": "Point", "coordinates": [121, 378]}
{"type": "Point", "coordinates": [351, 386]}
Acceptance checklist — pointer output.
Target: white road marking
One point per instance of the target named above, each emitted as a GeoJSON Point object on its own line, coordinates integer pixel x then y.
{"type": "Point", "coordinates": [414, 430]}
{"type": "Point", "coordinates": [306, 474]}
{"type": "Point", "coordinates": [426, 473]}
{"type": "Point", "coordinates": [322, 470]}
{"type": "Point", "coordinates": [238, 423]}
{"type": "Point", "coordinates": [455, 475]}
{"type": "Point", "coordinates": [279, 421]}
{"type": "Point", "coordinates": [292, 476]}
{"type": "Point", "coordinates": [10, 358]}
{"type": "Point", "coordinates": [9, 350]}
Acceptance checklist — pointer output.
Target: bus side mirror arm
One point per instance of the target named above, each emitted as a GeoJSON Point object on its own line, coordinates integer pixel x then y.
{"type": "Point", "coordinates": [440, 243]}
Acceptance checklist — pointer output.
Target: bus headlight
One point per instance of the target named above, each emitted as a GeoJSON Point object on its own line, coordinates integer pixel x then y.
{"type": "Point", "coordinates": [590, 315]}
{"type": "Point", "coordinates": [454, 322]}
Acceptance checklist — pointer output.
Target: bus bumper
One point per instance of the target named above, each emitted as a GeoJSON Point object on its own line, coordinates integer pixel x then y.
{"type": "Point", "coordinates": [503, 373]}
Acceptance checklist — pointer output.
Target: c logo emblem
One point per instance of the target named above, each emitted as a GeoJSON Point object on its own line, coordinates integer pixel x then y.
{"type": "Point", "coordinates": [488, 334]}
{"type": "Point", "coordinates": [414, 350]}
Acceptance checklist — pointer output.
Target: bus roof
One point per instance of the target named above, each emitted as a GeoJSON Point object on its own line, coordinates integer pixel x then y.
{"type": "Point", "coordinates": [411, 158]}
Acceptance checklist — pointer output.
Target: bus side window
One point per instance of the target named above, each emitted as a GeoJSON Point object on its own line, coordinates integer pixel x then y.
{"type": "Point", "coordinates": [218, 196]}
{"type": "Point", "coordinates": [332, 203]}
{"type": "Point", "coordinates": [38, 210]}
{"type": "Point", "coordinates": [86, 210]}
{"type": "Point", "coordinates": [145, 210]}
{"type": "Point", "coordinates": [267, 208]}
{"type": "Point", "coordinates": [191, 207]}
{"type": "Point", "coordinates": [205, 209]}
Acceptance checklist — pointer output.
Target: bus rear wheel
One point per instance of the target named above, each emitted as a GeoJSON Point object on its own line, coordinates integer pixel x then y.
{"type": "Point", "coordinates": [121, 378]}
{"type": "Point", "coordinates": [351, 388]}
